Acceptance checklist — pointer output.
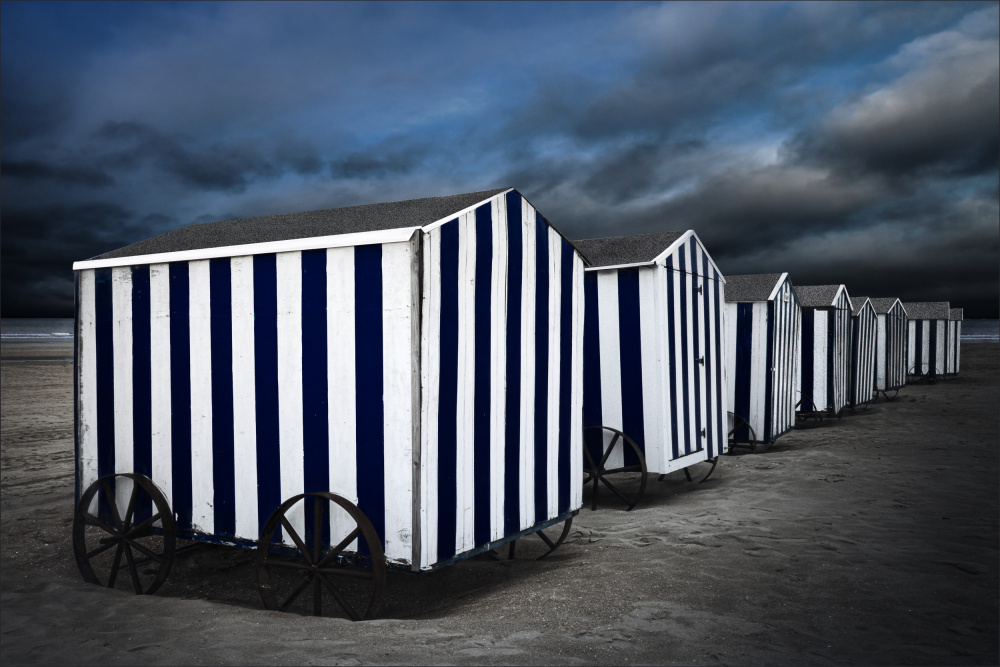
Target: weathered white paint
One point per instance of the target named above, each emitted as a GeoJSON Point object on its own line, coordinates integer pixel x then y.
{"type": "Point", "coordinates": [160, 385]}
{"type": "Point", "coordinates": [121, 307]}
{"type": "Point", "coordinates": [288, 267]}
{"type": "Point", "coordinates": [244, 397]}
{"type": "Point", "coordinates": [87, 349]}
{"type": "Point", "coordinates": [202, 462]}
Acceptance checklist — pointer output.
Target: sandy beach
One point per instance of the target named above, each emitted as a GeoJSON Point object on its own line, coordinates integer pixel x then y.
{"type": "Point", "coordinates": [872, 539]}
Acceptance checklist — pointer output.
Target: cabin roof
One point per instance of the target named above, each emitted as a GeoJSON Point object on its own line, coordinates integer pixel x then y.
{"type": "Point", "coordinates": [616, 250]}
{"type": "Point", "coordinates": [859, 302]}
{"type": "Point", "coordinates": [957, 313]}
{"type": "Point", "coordinates": [883, 305]}
{"type": "Point", "coordinates": [817, 296]}
{"type": "Point", "coordinates": [927, 310]}
{"type": "Point", "coordinates": [307, 224]}
{"type": "Point", "coordinates": [751, 287]}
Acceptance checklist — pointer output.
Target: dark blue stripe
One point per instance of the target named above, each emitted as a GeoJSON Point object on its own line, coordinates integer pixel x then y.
{"type": "Point", "coordinates": [512, 426]}
{"type": "Point", "coordinates": [832, 340]}
{"type": "Point", "coordinates": [541, 367]}
{"type": "Point", "coordinates": [808, 350]}
{"type": "Point", "coordinates": [591, 366]}
{"type": "Point", "coordinates": [769, 372]}
{"type": "Point", "coordinates": [685, 354]}
{"type": "Point", "coordinates": [370, 408]}
{"type": "Point", "coordinates": [448, 394]}
{"type": "Point", "coordinates": [180, 395]}
{"type": "Point", "coordinates": [918, 330]}
{"type": "Point", "coordinates": [265, 336]}
{"type": "Point", "coordinates": [481, 405]}
{"type": "Point", "coordinates": [104, 319]}
{"type": "Point", "coordinates": [315, 415]}
{"type": "Point", "coordinates": [672, 384]}
{"type": "Point", "coordinates": [719, 387]}
{"type": "Point", "coordinates": [142, 386]}
{"type": "Point", "coordinates": [565, 379]}
{"type": "Point", "coordinates": [933, 363]}
{"type": "Point", "coordinates": [630, 352]}
{"type": "Point", "coordinates": [223, 435]}
{"type": "Point", "coordinates": [744, 367]}
{"type": "Point", "coordinates": [696, 342]}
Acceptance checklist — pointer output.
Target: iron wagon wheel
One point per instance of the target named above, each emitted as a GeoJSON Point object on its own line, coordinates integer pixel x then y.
{"type": "Point", "coordinates": [753, 434]}
{"type": "Point", "coordinates": [713, 461]}
{"type": "Point", "coordinates": [597, 473]}
{"type": "Point", "coordinates": [147, 545]}
{"type": "Point", "coordinates": [811, 413]}
{"type": "Point", "coordinates": [281, 580]}
{"type": "Point", "coordinates": [549, 542]}
{"type": "Point", "coordinates": [895, 392]}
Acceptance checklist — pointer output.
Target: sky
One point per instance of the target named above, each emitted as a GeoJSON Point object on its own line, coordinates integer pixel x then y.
{"type": "Point", "coordinates": [842, 143]}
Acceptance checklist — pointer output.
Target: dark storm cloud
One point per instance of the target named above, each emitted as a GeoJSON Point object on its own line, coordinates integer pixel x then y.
{"type": "Point", "coordinates": [68, 175]}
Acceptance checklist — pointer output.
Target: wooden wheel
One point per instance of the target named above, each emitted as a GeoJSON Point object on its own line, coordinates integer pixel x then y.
{"type": "Point", "coordinates": [335, 570]}
{"type": "Point", "coordinates": [144, 535]}
{"type": "Point", "coordinates": [739, 422]}
{"type": "Point", "coordinates": [549, 542]}
{"type": "Point", "coordinates": [895, 392]}
{"type": "Point", "coordinates": [708, 474]}
{"type": "Point", "coordinates": [597, 472]}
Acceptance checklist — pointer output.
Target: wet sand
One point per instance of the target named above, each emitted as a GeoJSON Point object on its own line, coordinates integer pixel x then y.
{"type": "Point", "coordinates": [867, 540]}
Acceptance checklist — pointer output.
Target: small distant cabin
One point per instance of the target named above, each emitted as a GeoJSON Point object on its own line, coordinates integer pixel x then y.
{"type": "Point", "coordinates": [825, 348]}
{"type": "Point", "coordinates": [421, 358]}
{"type": "Point", "coordinates": [954, 340]}
{"type": "Point", "coordinates": [864, 326]}
{"type": "Point", "coordinates": [763, 318]}
{"type": "Point", "coordinates": [654, 359]}
{"type": "Point", "coordinates": [927, 337]}
{"type": "Point", "coordinates": [890, 344]}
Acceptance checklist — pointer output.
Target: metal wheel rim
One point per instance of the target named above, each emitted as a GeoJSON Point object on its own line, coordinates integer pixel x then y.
{"type": "Point", "coordinates": [597, 471]}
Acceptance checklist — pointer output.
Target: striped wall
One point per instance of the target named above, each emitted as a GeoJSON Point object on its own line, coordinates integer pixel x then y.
{"type": "Point", "coordinates": [654, 357]}
{"type": "Point", "coordinates": [502, 378]}
{"type": "Point", "coordinates": [824, 365]}
{"type": "Point", "coordinates": [954, 352]}
{"type": "Point", "coordinates": [926, 347]}
{"type": "Point", "coordinates": [762, 357]}
{"type": "Point", "coordinates": [890, 359]}
{"type": "Point", "coordinates": [429, 381]}
{"type": "Point", "coordinates": [864, 328]}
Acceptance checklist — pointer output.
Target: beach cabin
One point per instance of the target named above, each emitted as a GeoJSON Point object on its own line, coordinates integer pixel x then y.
{"type": "Point", "coordinates": [423, 359]}
{"type": "Point", "coordinates": [927, 338]}
{"type": "Point", "coordinates": [954, 340]}
{"type": "Point", "coordinates": [825, 349]}
{"type": "Point", "coordinates": [762, 318]}
{"type": "Point", "coordinates": [890, 345]}
{"type": "Point", "coordinates": [864, 326]}
{"type": "Point", "coordinates": [654, 358]}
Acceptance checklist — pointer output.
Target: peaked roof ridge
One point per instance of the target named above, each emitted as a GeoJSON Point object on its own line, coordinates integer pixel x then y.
{"type": "Point", "coordinates": [751, 286]}
{"type": "Point", "coordinates": [928, 310]}
{"type": "Point", "coordinates": [628, 249]}
{"type": "Point", "coordinates": [883, 304]}
{"type": "Point", "coordinates": [818, 296]}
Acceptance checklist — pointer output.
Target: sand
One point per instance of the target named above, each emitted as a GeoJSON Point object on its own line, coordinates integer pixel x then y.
{"type": "Point", "coordinates": [872, 539]}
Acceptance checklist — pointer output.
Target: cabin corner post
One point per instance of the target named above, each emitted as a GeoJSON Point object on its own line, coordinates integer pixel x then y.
{"type": "Point", "coordinates": [417, 342]}
{"type": "Point", "coordinates": [76, 389]}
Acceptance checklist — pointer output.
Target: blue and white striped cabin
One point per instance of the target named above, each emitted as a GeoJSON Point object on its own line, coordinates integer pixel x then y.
{"type": "Point", "coordinates": [763, 318]}
{"type": "Point", "coordinates": [423, 359]}
{"type": "Point", "coordinates": [654, 358]}
{"type": "Point", "coordinates": [956, 315]}
{"type": "Point", "coordinates": [864, 330]}
{"type": "Point", "coordinates": [927, 337]}
{"type": "Point", "coordinates": [825, 346]}
{"type": "Point", "coordinates": [890, 344]}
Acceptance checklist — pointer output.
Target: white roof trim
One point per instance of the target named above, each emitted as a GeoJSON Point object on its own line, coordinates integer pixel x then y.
{"type": "Point", "coordinates": [451, 216]}
{"type": "Point", "coordinates": [661, 259]}
{"type": "Point", "coordinates": [850, 304]}
{"type": "Point", "coordinates": [900, 302]}
{"type": "Point", "coordinates": [777, 287]}
{"type": "Point", "coordinates": [290, 245]}
{"type": "Point", "coordinates": [619, 266]}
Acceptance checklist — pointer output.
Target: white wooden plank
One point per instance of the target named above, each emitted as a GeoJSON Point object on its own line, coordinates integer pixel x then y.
{"type": "Point", "coordinates": [87, 382]}
{"type": "Point", "coordinates": [658, 459]}
{"type": "Point", "coordinates": [465, 412]}
{"type": "Point", "coordinates": [342, 413]}
{"type": "Point", "coordinates": [498, 364]}
{"type": "Point", "coordinates": [430, 397]}
{"type": "Point", "coordinates": [397, 398]}
{"type": "Point", "coordinates": [244, 399]}
{"type": "Point", "coordinates": [611, 372]}
{"type": "Point", "coordinates": [576, 423]}
{"type": "Point", "coordinates": [202, 462]}
{"type": "Point", "coordinates": [288, 272]}
{"type": "Point", "coordinates": [652, 365]}
{"type": "Point", "coordinates": [820, 352]}
{"type": "Point", "coordinates": [160, 385]}
{"type": "Point", "coordinates": [555, 325]}
{"type": "Point", "coordinates": [121, 308]}
{"type": "Point", "coordinates": [528, 296]}
{"type": "Point", "coordinates": [758, 364]}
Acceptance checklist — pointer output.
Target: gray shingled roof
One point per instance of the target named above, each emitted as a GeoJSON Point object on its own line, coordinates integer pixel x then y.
{"type": "Point", "coordinates": [927, 310]}
{"type": "Point", "coordinates": [858, 302]}
{"type": "Point", "coordinates": [816, 296]}
{"type": "Point", "coordinates": [752, 287]}
{"type": "Point", "coordinates": [614, 250]}
{"type": "Point", "coordinates": [957, 313]}
{"type": "Point", "coordinates": [883, 304]}
{"type": "Point", "coordinates": [308, 224]}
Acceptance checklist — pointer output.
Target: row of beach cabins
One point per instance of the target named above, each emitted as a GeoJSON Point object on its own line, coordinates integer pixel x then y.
{"type": "Point", "coordinates": [448, 364]}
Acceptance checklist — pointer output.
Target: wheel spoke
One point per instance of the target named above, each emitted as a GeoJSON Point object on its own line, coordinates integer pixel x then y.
{"type": "Point", "coordinates": [616, 492]}
{"type": "Point", "coordinates": [100, 550]}
{"type": "Point", "coordinates": [152, 555]}
{"type": "Point", "coordinates": [291, 598]}
{"type": "Point", "coordinates": [633, 468]}
{"type": "Point", "coordinates": [340, 547]}
{"type": "Point", "coordinates": [607, 453]}
{"type": "Point", "coordinates": [133, 570]}
{"type": "Point", "coordinates": [130, 512]}
{"type": "Point", "coordinates": [317, 531]}
{"type": "Point", "coordinates": [136, 529]}
{"type": "Point", "coordinates": [545, 538]}
{"type": "Point", "coordinates": [114, 506]}
{"type": "Point", "coordinates": [339, 598]}
{"type": "Point", "coordinates": [100, 524]}
{"type": "Point", "coordinates": [114, 566]}
{"type": "Point", "coordinates": [295, 538]}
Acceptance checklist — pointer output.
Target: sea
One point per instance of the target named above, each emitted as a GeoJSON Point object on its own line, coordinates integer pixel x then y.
{"type": "Point", "coordinates": [61, 329]}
